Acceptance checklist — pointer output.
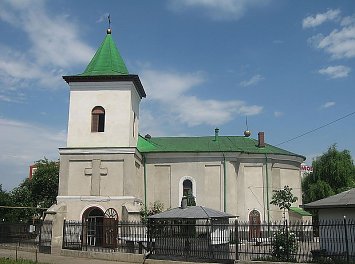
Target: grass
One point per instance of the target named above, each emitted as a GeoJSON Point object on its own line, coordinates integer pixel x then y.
{"type": "Point", "coordinates": [19, 261]}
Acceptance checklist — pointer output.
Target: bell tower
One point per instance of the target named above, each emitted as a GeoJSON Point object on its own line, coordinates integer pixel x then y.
{"type": "Point", "coordinates": [104, 101]}
{"type": "Point", "coordinates": [101, 168]}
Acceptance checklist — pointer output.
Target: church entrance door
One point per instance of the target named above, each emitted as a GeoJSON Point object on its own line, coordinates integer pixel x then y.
{"type": "Point", "coordinates": [110, 225]}
{"type": "Point", "coordinates": [254, 224]}
{"type": "Point", "coordinates": [93, 229]}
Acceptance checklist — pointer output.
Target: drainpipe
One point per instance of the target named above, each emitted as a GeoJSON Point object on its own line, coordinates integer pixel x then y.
{"type": "Point", "coordinates": [145, 182]}
{"type": "Point", "coordinates": [267, 189]}
{"type": "Point", "coordinates": [225, 183]}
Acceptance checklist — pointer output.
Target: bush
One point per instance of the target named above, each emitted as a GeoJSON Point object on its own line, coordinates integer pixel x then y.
{"type": "Point", "coordinates": [284, 245]}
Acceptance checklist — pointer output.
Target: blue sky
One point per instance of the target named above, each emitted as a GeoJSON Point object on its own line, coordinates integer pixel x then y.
{"type": "Point", "coordinates": [288, 66]}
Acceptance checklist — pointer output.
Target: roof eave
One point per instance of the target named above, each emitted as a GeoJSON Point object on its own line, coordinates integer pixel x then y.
{"type": "Point", "coordinates": [328, 206]}
{"type": "Point", "coordinates": [109, 78]}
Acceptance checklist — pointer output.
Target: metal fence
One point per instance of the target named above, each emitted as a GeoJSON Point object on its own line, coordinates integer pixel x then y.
{"type": "Point", "coordinates": [297, 242]}
{"type": "Point", "coordinates": [36, 235]}
{"type": "Point", "coordinates": [218, 241]}
{"type": "Point", "coordinates": [105, 236]}
{"type": "Point", "coordinates": [199, 240]}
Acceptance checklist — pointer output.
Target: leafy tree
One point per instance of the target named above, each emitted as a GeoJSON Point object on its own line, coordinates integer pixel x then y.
{"type": "Point", "coordinates": [39, 192]}
{"type": "Point", "coordinates": [4, 201]}
{"type": "Point", "coordinates": [21, 197]}
{"type": "Point", "coordinates": [155, 208]}
{"type": "Point", "coordinates": [44, 183]}
{"type": "Point", "coordinates": [333, 172]}
{"type": "Point", "coordinates": [283, 199]}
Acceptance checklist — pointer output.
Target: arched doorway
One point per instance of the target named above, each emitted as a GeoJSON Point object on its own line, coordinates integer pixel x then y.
{"type": "Point", "coordinates": [93, 226]}
{"type": "Point", "coordinates": [110, 225]}
{"type": "Point", "coordinates": [254, 224]}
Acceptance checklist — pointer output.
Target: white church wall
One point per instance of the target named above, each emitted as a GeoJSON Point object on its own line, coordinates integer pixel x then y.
{"type": "Point", "coordinates": [89, 176]}
{"type": "Point", "coordinates": [112, 184]}
{"type": "Point", "coordinates": [254, 189]}
{"type": "Point", "coordinates": [116, 99]}
{"type": "Point", "coordinates": [134, 118]}
{"type": "Point", "coordinates": [292, 178]}
{"type": "Point", "coordinates": [213, 187]}
{"type": "Point", "coordinates": [232, 168]}
{"type": "Point", "coordinates": [162, 177]}
{"type": "Point", "coordinates": [81, 183]}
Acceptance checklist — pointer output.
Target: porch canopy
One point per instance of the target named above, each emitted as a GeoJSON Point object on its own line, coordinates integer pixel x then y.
{"type": "Point", "coordinates": [191, 212]}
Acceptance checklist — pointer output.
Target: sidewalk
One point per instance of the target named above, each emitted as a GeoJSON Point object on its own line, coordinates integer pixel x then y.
{"type": "Point", "coordinates": [60, 259]}
{"type": "Point", "coordinates": [51, 258]}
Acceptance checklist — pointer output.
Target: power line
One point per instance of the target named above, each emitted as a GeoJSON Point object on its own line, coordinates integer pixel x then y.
{"type": "Point", "coordinates": [22, 207]}
{"type": "Point", "coordinates": [315, 129]}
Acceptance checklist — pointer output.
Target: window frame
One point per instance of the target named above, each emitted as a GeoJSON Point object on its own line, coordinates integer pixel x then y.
{"type": "Point", "coordinates": [98, 116]}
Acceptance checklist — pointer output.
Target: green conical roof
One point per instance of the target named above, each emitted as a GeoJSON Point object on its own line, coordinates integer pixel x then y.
{"type": "Point", "coordinates": [107, 60]}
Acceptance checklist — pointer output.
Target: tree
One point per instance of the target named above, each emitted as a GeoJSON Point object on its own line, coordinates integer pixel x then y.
{"type": "Point", "coordinates": [21, 197]}
{"type": "Point", "coordinates": [283, 199]}
{"type": "Point", "coordinates": [32, 195]}
{"type": "Point", "coordinates": [4, 201]}
{"type": "Point", "coordinates": [333, 172]}
{"type": "Point", "coordinates": [44, 183]}
{"type": "Point", "coordinates": [155, 208]}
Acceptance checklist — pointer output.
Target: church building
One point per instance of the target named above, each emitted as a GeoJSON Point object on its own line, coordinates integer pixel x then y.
{"type": "Point", "coordinates": [109, 169]}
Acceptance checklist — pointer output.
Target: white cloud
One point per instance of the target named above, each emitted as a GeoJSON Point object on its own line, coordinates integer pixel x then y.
{"type": "Point", "coordinates": [170, 85]}
{"type": "Point", "coordinates": [103, 17]}
{"type": "Point", "coordinates": [22, 144]}
{"type": "Point", "coordinates": [278, 114]}
{"type": "Point", "coordinates": [220, 9]}
{"type": "Point", "coordinates": [252, 81]}
{"type": "Point", "coordinates": [328, 104]}
{"type": "Point", "coordinates": [335, 72]}
{"type": "Point", "coordinates": [194, 111]}
{"type": "Point", "coordinates": [170, 91]}
{"type": "Point", "coordinates": [339, 43]}
{"type": "Point", "coordinates": [346, 21]}
{"type": "Point", "coordinates": [54, 43]}
{"type": "Point", "coordinates": [318, 19]}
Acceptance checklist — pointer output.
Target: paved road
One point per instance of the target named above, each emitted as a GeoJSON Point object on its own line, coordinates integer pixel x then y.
{"type": "Point", "coordinates": [51, 258]}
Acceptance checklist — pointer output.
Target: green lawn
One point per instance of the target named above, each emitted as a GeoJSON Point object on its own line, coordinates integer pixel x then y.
{"type": "Point", "coordinates": [12, 261]}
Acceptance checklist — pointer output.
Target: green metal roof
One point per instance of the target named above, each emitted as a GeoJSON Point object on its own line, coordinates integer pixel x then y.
{"type": "Point", "coordinates": [208, 144]}
{"type": "Point", "coordinates": [300, 211]}
{"type": "Point", "coordinates": [106, 61]}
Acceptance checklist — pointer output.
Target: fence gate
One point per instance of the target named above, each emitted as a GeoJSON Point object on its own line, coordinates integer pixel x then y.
{"type": "Point", "coordinates": [45, 237]}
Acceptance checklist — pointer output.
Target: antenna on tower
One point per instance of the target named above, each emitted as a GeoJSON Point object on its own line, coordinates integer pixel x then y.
{"type": "Point", "coordinates": [247, 132]}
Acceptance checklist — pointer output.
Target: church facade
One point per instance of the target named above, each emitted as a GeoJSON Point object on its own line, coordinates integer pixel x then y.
{"type": "Point", "coordinates": [108, 168]}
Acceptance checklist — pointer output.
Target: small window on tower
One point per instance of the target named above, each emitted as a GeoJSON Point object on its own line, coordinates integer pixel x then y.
{"type": "Point", "coordinates": [98, 119]}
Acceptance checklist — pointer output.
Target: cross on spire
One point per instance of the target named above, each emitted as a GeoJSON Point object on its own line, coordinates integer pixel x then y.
{"type": "Point", "coordinates": [109, 24]}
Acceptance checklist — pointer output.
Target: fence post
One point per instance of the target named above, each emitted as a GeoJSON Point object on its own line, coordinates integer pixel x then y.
{"type": "Point", "coordinates": [149, 234]}
{"type": "Point", "coordinates": [236, 236]}
{"type": "Point", "coordinates": [287, 242]}
{"type": "Point", "coordinates": [40, 234]}
{"type": "Point", "coordinates": [346, 241]}
{"type": "Point", "coordinates": [63, 244]}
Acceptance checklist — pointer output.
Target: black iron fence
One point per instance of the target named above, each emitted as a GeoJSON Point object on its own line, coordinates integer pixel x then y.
{"type": "Point", "coordinates": [106, 236]}
{"type": "Point", "coordinates": [218, 241]}
{"type": "Point", "coordinates": [200, 240]}
{"type": "Point", "coordinates": [32, 235]}
{"type": "Point", "coordinates": [297, 242]}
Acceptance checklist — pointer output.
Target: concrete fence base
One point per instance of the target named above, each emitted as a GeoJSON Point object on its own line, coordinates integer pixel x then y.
{"type": "Point", "coordinates": [114, 256]}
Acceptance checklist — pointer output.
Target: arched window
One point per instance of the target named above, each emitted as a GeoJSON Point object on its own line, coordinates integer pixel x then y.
{"type": "Point", "coordinates": [187, 188]}
{"type": "Point", "coordinates": [98, 119]}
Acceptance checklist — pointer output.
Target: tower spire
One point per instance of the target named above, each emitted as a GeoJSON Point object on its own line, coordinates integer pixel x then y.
{"type": "Point", "coordinates": [109, 24]}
